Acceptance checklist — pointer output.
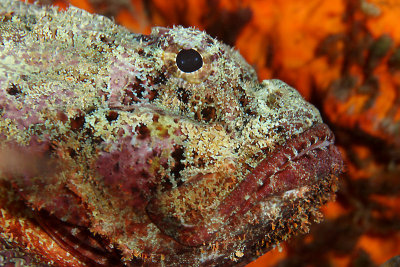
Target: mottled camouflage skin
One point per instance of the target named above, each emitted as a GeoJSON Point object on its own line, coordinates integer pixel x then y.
{"type": "Point", "coordinates": [102, 130]}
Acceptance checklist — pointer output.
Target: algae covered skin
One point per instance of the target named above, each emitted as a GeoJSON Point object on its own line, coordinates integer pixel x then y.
{"type": "Point", "coordinates": [160, 149]}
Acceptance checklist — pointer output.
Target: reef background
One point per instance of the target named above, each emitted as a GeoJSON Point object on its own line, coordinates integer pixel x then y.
{"type": "Point", "coordinates": [344, 57]}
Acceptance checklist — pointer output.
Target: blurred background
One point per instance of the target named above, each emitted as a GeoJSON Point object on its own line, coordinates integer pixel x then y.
{"type": "Point", "coordinates": [344, 57]}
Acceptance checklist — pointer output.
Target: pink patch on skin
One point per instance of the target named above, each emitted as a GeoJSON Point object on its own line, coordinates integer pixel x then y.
{"type": "Point", "coordinates": [127, 169]}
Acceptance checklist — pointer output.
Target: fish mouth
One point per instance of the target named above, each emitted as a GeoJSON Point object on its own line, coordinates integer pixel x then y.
{"type": "Point", "coordinates": [302, 161]}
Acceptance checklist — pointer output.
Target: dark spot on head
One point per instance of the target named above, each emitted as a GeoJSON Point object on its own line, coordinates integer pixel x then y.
{"type": "Point", "coordinates": [250, 112]}
{"type": "Point", "coordinates": [143, 132]}
{"type": "Point", "coordinates": [279, 129]}
{"type": "Point", "coordinates": [62, 116]}
{"type": "Point", "coordinates": [200, 162]}
{"type": "Point", "coordinates": [183, 95]}
{"type": "Point", "coordinates": [137, 89]}
{"type": "Point", "coordinates": [144, 174]}
{"type": "Point", "coordinates": [52, 148]}
{"type": "Point", "coordinates": [142, 38]}
{"type": "Point", "coordinates": [155, 117]}
{"type": "Point", "coordinates": [152, 95]}
{"type": "Point", "coordinates": [165, 185]}
{"type": "Point", "coordinates": [244, 102]}
{"type": "Point", "coordinates": [159, 79]}
{"type": "Point", "coordinates": [189, 60]}
{"type": "Point", "coordinates": [102, 93]}
{"type": "Point", "coordinates": [155, 152]}
{"type": "Point", "coordinates": [179, 156]}
{"type": "Point", "coordinates": [72, 153]}
{"type": "Point", "coordinates": [136, 92]}
{"type": "Point", "coordinates": [133, 94]}
{"type": "Point", "coordinates": [165, 165]}
{"type": "Point", "coordinates": [134, 190]}
{"type": "Point", "coordinates": [7, 16]}
{"type": "Point", "coordinates": [209, 114]}
{"type": "Point", "coordinates": [106, 40]}
{"type": "Point", "coordinates": [13, 89]}
{"type": "Point", "coordinates": [116, 167]}
{"type": "Point", "coordinates": [88, 133]}
{"type": "Point", "coordinates": [77, 122]}
{"type": "Point", "coordinates": [197, 115]}
{"type": "Point", "coordinates": [209, 99]}
{"type": "Point", "coordinates": [209, 41]}
{"type": "Point", "coordinates": [112, 115]}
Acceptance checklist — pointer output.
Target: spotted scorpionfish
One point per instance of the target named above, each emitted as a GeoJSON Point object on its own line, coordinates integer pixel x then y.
{"type": "Point", "coordinates": [159, 150]}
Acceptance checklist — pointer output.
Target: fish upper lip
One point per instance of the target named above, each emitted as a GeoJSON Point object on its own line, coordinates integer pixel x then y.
{"type": "Point", "coordinates": [257, 185]}
{"type": "Point", "coordinates": [288, 167]}
{"type": "Point", "coordinates": [258, 181]}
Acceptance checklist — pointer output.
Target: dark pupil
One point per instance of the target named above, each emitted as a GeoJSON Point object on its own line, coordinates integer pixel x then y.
{"type": "Point", "coordinates": [189, 60]}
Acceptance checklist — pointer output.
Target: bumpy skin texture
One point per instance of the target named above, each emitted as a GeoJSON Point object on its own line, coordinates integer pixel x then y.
{"type": "Point", "coordinates": [124, 158]}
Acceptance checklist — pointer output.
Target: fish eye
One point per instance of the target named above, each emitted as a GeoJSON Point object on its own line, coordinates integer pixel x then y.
{"type": "Point", "coordinates": [189, 60]}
